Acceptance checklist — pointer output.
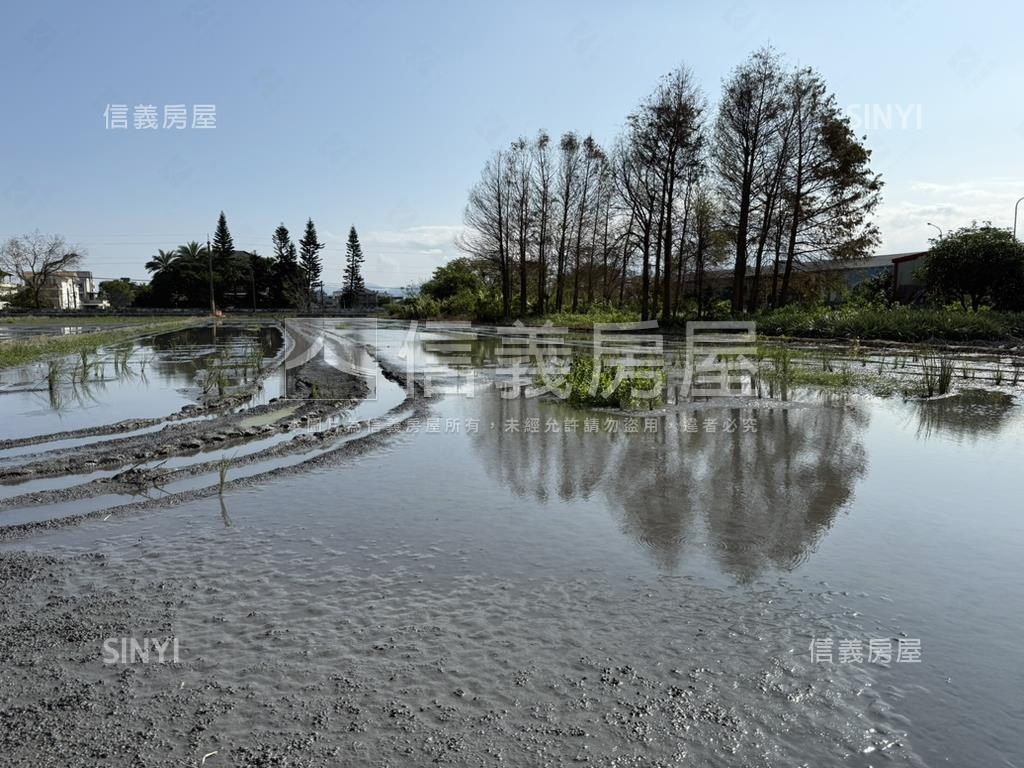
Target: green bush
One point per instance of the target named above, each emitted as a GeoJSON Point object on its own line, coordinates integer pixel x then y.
{"type": "Point", "coordinates": [626, 394]}
{"type": "Point", "coordinates": [595, 314]}
{"type": "Point", "coordinates": [416, 308]}
{"type": "Point", "coordinates": [891, 323]}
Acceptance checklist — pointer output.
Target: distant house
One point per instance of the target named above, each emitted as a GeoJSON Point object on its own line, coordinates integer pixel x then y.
{"type": "Point", "coordinates": [8, 290]}
{"type": "Point", "coordinates": [830, 279]}
{"type": "Point", "coordinates": [89, 292]}
{"type": "Point", "coordinates": [60, 291]}
{"type": "Point", "coordinates": [69, 290]}
{"type": "Point", "coordinates": [907, 286]}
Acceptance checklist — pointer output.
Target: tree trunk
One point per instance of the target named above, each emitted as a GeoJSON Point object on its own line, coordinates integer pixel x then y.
{"type": "Point", "coordinates": [666, 301]}
{"type": "Point", "coordinates": [740, 268]}
{"type": "Point", "coordinates": [790, 250]}
{"type": "Point", "coordinates": [542, 263]}
{"type": "Point", "coordinates": [560, 267]}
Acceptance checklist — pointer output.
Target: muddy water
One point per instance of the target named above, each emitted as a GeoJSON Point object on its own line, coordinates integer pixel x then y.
{"type": "Point", "coordinates": [147, 378]}
{"type": "Point", "coordinates": [470, 595]}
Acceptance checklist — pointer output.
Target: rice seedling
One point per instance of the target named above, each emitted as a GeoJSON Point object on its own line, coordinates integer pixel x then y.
{"type": "Point", "coordinates": [13, 353]}
{"type": "Point", "coordinates": [53, 371]}
{"type": "Point", "coordinates": [222, 473]}
{"type": "Point", "coordinates": [255, 358]}
{"type": "Point", "coordinates": [936, 376]}
{"type": "Point", "coordinates": [53, 384]}
{"type": "Point", "coordinates": [86, 364]}
{"type": "Point", "coordinates": [780, 371]}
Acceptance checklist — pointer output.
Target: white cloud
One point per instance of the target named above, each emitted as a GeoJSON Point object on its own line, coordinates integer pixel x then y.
{"type": "Point", "coordinates": [903, 220]}
{"type": "Point", "coordinates": [397, 257]}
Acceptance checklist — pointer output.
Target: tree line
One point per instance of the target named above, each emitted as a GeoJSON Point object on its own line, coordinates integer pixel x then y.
{"type": "Point", "coordinates": [214, 274]}
{"type": "Point", "coordinates": [218, 275]}
{"type": "Point", "coordinates": [771, 178]}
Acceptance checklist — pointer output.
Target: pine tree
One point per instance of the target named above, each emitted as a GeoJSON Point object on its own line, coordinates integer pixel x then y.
{"type": "Point", "coordinates": [353, 275]}
{"type": "Point", "coordinates": [286, 270]}
{"type": "Point", "coordinates": [309, 259]}
{"type": "Point", "coordinates": [223, 245]}
{"type": "Point", "coordinates": [284, 248]}
{"type": "Point", "coordinates": [224, 268]}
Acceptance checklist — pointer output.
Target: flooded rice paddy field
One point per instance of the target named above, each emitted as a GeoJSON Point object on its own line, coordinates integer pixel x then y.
{"type": "Point", "coordinates": [389, 574]}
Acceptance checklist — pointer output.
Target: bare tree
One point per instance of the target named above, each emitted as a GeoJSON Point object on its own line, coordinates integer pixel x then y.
{"type": "Point", "coordinates": [766, 210]}
{"type": "Point", "coordinates": [37, 258]}
{"type": "Point", "coordinates": [710, 242]}
{"type": "Point", "coordinates": [521, 162]}
{"type": "Point", "coordinates": [488, 228]}
{"type": "Point", "coordinates": [750, 108]}
{"type": "Point", "coordinates": [592, 157]}
{"type": "Point", "coordinates": [567, 193]}
{"type": "Point", "coordinates": [543, 182]}
{"type": "Point", "coordinates": [675, 112]}
{"type": "Point", "coordinates": [829, 186]}
{"type": "Point", "coordinates": [637, 186]}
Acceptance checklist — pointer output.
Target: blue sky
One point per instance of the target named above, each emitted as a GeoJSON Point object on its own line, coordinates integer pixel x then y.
{"type": "Point", "coordinates": [380, 114]}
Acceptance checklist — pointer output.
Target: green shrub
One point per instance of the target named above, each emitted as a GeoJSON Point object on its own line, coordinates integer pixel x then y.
{"type": "Point", "coordinates": [628, 393]}
{"type": "Point", "coordinates": [596, 314]}
{"type": "Point", "coordinates": [417, 308]}
{"type": "Point", "coordinates": [897, 323]}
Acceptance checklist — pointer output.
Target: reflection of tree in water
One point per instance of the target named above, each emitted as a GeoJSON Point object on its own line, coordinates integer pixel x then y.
{"type": "Point", "coordinates": [782, 486]}
{"type": "Point", "coordinates": [764, 497]}
{"type": "Point", "coordinates": [182, 353]}
{"type": "Point", "coordinates": [965, 416]}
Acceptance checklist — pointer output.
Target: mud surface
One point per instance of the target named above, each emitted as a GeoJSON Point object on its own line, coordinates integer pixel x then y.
{"type": "Point", "coordinates": [327, 665]}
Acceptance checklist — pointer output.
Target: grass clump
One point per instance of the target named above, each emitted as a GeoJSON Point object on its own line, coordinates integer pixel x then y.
{"type": "Point", "coordinates": [936, 376]}
{"type": "Point", "coordinates": [595, 384]}
{"type": "Point", "coordinates": [23, 351]}
{"type": "Point", "coordinates": [589, 318]}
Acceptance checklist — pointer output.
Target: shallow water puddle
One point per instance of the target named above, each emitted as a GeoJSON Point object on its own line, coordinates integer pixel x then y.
{"type": "Point", "coordinates": [642, 587]}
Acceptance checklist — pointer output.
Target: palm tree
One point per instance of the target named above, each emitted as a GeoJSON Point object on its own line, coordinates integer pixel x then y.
{"type": "Point", "coordinates": [161, 262]}
{"type": "Point", "coordinates": [192, 251]}
{"type": "Point", "coordinates": [193, 259]}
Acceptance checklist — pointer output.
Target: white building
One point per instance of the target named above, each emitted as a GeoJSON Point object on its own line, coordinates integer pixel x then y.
{"type": "Point", "coordinates": [70, 291]}
{"type": "Point", "coordinates": [89, 292]}
{"type": "Point", "coordinates": [61, 291]}
{"type": "Point", "coordinates": [7, 291]}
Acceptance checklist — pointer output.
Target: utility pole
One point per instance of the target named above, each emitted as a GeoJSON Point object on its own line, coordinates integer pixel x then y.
{"type": "Point", "coordinates": [209, 263]}
{"type": "Point", "coordinates": [321, 298]}
{"type": "Point", "coordinates": [938, 228]}
{"type": "Point", "coordinates": [1015, 217]}
{"type": "Point", "coordinates": [252, 275]}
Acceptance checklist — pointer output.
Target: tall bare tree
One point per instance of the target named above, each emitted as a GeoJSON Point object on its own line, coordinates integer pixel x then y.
{"type": "Point", "coordinates": [488, 230]}
{"type": "Point", "coordinates": [543, 183]}
{"type": "Point", "coordinates": [752, 104]}
{"type": "Point", "coordinates": [638, 188]}
{"type": "Point", "coordinates": [829, 187]}
{"type": "Point", "coordinates": [521, 162]}
{"type": "Point", "coordinates": [36, 259]}
{"type": "Point", "coordinates": [592, 157]}
{"type": "Point", "coordinates": [567, 193]}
